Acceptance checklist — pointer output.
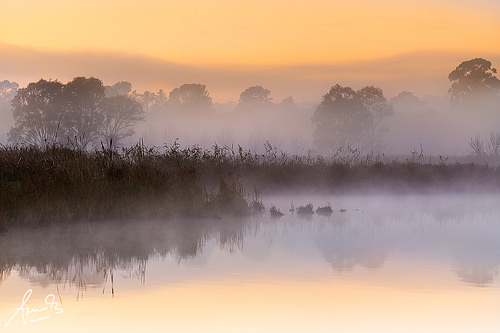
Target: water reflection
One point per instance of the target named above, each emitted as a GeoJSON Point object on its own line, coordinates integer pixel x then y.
{"type": "Point", "coordinates": [458, 233]}
{"type": "Point", "coordinates": [86, 254]}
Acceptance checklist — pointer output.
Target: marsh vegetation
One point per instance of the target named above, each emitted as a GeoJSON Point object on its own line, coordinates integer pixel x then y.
{"type": "Point", "coordinates": [68, 159]}
{"type": "Point", "coordinates": [60, 184]}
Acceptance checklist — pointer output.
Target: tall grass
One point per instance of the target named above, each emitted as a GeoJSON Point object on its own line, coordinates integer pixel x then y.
{"type": "Point", "coordinates": [60, 184]}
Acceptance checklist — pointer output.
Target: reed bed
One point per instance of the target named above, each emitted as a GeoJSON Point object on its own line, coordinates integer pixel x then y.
{"type": "Point", "coordinates": [58, 184]}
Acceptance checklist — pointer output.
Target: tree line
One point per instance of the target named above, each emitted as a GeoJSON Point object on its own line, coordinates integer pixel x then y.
{"type": "Point", "coordinates": [84, 113]}
{"type": "Point", "coordinates": [77, 114]}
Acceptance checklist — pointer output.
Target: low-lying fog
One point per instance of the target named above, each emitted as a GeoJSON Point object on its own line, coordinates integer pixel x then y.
{"type": "Point", "coordinates": [443, 124]}
{"type": "Point", "coordinates": [454, 231]}
{"type": "Point", "coordinates": [289, 127]}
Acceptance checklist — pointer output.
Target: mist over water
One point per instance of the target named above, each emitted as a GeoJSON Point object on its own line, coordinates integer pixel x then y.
{"type": "Point", "coordinates": [403, 256]}
{"type": "Point", "coordinates": [457, 230]}
{"type": "Point", "coordinates": [246, 166]}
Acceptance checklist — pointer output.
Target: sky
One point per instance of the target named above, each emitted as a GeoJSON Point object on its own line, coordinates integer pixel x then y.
{"type": "Point", "coordinates": [292, 47]}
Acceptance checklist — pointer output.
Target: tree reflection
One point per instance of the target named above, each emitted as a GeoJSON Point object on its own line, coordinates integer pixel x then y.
{"type": "Point", "coordinates": [85, 255]}
{"type": "Point", "coordinates": [348, 248]}
{"type": "Point", "coordinates": [88, 255]}
{"type": "Point", "coordinates": [479, 276]}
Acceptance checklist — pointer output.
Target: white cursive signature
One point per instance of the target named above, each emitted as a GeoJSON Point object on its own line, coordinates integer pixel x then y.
{"type": "Point", "coordinates": [38, 313]}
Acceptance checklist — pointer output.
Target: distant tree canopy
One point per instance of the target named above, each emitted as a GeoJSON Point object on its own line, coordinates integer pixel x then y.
{"type": "Point", "coordinates": [255, 97]}
{"type": "Point", "coordinates": [190, 97]}
{"type": "Point", "coordinates": [7, 91]}
{"type": "Point", "coordinates": [76, 114]}
{"type": "Point", "coordinates": [36, 111]}
{"type": "Point", "coordinates": [407, 102]}
{"type": "Point", "coordinates": [119, 88]}
{"type": "Point", "coordinates": [82, 114]}
{"type": "Point", "coordinates": [147, 99]}
{"type": "Point", "coordinates": [349, 118]}
{"type": "Point", "coordinates": [288, 104]}
{"type": "Point", "coordinates": [472, 80]}
{"type": "Point", "coordinates": [378, 107]}
{"type": "Point", "coordinates": [159, 100]}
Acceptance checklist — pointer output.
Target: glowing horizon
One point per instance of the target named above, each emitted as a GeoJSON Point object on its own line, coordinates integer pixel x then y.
{"type": "Point", "coordinates": [294, 48]}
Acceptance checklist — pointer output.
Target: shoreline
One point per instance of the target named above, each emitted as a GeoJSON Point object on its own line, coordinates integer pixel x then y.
{"type": "Point", "coordinates": [59, 184]}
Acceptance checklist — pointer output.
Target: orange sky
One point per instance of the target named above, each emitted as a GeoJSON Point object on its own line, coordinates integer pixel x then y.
{"type": "Point", "coordinates": [222, 34]}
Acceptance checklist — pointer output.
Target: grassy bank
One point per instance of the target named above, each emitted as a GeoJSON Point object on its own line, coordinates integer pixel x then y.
{"type": "Point", "coordinates": [60, 184]}
{"type": "Point", "coordinates": [343, 172]}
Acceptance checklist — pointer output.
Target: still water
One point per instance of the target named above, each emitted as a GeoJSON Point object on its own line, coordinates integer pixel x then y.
{"type": "Point", "coordinates": [385, 264]}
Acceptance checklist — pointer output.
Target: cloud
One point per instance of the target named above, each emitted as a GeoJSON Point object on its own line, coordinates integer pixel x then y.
{"type": "Point", "coordinates": [423, 73]}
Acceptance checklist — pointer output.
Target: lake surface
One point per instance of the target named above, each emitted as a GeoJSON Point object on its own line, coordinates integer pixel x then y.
{"type": "Point", "coordinates": [386, 264]}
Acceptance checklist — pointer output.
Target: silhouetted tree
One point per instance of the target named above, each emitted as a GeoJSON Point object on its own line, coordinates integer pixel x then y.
{"type": "Point", "coordinates": [77, 114]}
{"type": "Point", "coordinates": [119, 88]}
{"type": "Point", "coordinates": [160, 101]}
{"type": "Point", "coordinates": [255, 98]}
{"type": "Point", "coordinates": [408, 102]}
{"type": "Point", "coordinates": [190, 97]}
{"type": "Point", "coordinates": [340, 118]}
{"type": "Point", "coordinates": [376, 104]}
{"type": "Point", "coordinates": [288, 104]}
{"type": "Point", "coordinates": [147, 99]}
{"type": "Point", "coordinates": [473, 79]}
{"type": "Point", "coordinates": [83, 116]}
{"type": "Point", "coordinates": [7, 92]}
{"type": "Point", "coordinates": [37, 111]}
{"type": "Point", "coordinates": [120, 113]}
{"type": "Point", "coordinates": [349, 118]}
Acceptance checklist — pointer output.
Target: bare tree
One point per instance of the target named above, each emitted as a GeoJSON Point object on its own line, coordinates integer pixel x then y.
{"type": "Point", "coordinates": [477, 145]}
{"type": "Point", "coordinates": [493, 146]}
{"type": "Point", "coordinates": [121, 113]}
{"type": "Point", "coordinates": [479, 148]}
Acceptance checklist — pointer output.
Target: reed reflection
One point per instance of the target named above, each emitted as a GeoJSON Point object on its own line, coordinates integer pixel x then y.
{"type": "Point", "coordinates": [87, 254]}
